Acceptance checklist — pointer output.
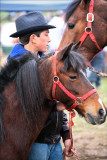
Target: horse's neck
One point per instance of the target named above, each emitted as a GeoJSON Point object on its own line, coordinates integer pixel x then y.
{"type": "Point", "coordinates": [44, 113]}
{"type": "Point", "coordinates": [87, 53]}
{"type": "Point", "coordinates": [100, 8]}
{"type": "Point", "coordinates": [46, 77]}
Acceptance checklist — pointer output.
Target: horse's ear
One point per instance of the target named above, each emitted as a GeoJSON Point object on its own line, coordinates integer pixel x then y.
{"type": "Point", "coordinates": [64, 52]}
{"type": "Point", "coordinates": [84, 3]}
{"type": "Point", "coordinates": [75, 46]}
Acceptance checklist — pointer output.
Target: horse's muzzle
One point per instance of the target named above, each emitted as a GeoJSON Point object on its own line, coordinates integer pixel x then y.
{"type": "Point", "coordinates": [97, 120]}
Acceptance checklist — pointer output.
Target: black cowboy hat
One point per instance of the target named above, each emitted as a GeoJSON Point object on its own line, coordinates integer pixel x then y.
{"type": "Point", "coordinates": [29, 23]}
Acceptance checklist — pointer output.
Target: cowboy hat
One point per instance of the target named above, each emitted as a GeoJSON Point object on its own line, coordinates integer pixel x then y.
{"type": "Point", "coordinates": [29, 23]}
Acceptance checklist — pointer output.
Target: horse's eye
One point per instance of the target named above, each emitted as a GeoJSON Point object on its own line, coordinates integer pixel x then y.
{"type": "Point", "coordinates": [73, 77]}
{"type": "Point", "coordinates": [71, 26]}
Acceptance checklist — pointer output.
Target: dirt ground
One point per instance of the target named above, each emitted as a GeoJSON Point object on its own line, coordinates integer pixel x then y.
{"type": "Point", "coordinates": [90, 141]}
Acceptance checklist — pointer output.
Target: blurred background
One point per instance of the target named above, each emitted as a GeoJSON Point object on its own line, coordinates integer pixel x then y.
{"type": "Point", "coordinates": [90, 141]}
{"type": "Point", "coordinates": [10, 10]}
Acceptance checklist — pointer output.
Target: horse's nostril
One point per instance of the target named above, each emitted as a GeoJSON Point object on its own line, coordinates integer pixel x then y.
{"type": "Point", "coordinates": [101, 113]}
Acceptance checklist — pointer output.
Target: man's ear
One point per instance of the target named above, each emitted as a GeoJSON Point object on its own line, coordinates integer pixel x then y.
{"type": "Point", "coordinates": [33, 38]}
{"type": "Point", "coordinates": [60, 106]}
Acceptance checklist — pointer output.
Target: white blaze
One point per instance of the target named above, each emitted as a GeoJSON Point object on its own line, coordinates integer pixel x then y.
{"type": "Point", "coordinates": [100, 101]}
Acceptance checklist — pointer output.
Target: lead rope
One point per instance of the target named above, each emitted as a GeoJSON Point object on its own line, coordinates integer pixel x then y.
{"type": "Point", "coordinates": [99, 73]}
{"type": "Point", "coordinates": [70, 124]}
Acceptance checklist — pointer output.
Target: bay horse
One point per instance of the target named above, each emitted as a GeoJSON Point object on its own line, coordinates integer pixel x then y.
{"type": "Point", "coordinates": [86, 22]}
{"type": "Point", "coordinates": [28, 87]}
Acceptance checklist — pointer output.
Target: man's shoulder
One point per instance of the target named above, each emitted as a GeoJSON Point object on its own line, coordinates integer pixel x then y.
{"type": "Point", "coordinates": [17, 51]}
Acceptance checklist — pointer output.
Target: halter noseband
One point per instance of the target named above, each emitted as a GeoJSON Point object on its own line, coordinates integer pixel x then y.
{"type": "Point", "coordinates": [88, 29]}
{"type": "Point", "coordinates": [56, 81]}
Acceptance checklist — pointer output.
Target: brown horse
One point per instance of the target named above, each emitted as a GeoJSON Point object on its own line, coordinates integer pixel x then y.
{"type": "Point", "coordinates": [87, 23]}
{"type": "Point", "coordinates": [26, 97]}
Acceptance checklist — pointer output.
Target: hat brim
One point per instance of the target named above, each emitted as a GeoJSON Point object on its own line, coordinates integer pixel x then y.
{"type": "Point", "coordinates": [31, 30]}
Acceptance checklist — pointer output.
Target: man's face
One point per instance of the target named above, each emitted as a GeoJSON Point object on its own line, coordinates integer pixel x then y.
{"type": "Point", "coordinates": [43, 41]}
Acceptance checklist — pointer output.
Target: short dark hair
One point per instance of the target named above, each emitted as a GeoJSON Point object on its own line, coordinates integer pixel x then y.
{"type": "Point", "coordinates": [25, 39]}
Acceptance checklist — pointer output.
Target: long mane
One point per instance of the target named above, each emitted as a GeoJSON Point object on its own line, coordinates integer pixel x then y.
{"type": "Point", "coordinates": [29, 90]}
{"type": "Point", "coordinates": [25, 74]}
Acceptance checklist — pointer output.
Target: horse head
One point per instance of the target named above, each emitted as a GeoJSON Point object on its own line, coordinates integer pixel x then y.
{"type": "Point", "coordinates": [68, 84]}
{"type": "Point", "coordinates": [86, 22]}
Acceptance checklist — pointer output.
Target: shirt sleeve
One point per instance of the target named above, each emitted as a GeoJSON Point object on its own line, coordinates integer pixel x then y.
{"type": "Point", "coordinates": [65, 129]}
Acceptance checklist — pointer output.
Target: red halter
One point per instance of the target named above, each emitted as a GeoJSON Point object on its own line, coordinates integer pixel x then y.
{"type": "Point", "coordinates": [56, 81]}
{"type": "Point", "coordinates": [88, 29]}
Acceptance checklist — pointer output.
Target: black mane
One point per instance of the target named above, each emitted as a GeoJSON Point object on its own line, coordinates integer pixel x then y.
{"type": "Point", "coordinates": [76, 61]}
{"type": "Point", "coordinates": [44, 57]}
{"type": "Point", "coordinates": [70, 9]}
{"type": "Point", "coordinates": [24, 73]}
{"type": "Point", "coordinates": [9, 71]}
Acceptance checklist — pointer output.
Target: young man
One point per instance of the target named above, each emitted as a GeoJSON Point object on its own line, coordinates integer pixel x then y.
{"type": "Point", "coordinates": [33, 31]}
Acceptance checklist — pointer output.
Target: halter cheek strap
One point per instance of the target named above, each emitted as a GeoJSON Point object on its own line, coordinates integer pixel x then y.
{"type": "Point", "coordinates": [78, 100]}
{"type": "Point", "coordinates": [88, 29]}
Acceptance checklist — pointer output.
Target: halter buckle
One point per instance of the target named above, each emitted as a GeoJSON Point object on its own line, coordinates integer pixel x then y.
{"type": "Point", "coordinates": [90, 17]}
{"type": "Point", "coordinates": [79, 100]}
{"type": "Point", "coordinates": [55, 79]}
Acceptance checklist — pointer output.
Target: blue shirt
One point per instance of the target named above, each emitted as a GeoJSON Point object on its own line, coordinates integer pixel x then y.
{"type": "Point", "coordinates": [19, 51]}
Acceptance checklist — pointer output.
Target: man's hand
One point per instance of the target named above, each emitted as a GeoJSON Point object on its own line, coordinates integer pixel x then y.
{"type": "Point", "coordinates": [60, 106]}
{"type": "Point", "coordinates": [68, 146]}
